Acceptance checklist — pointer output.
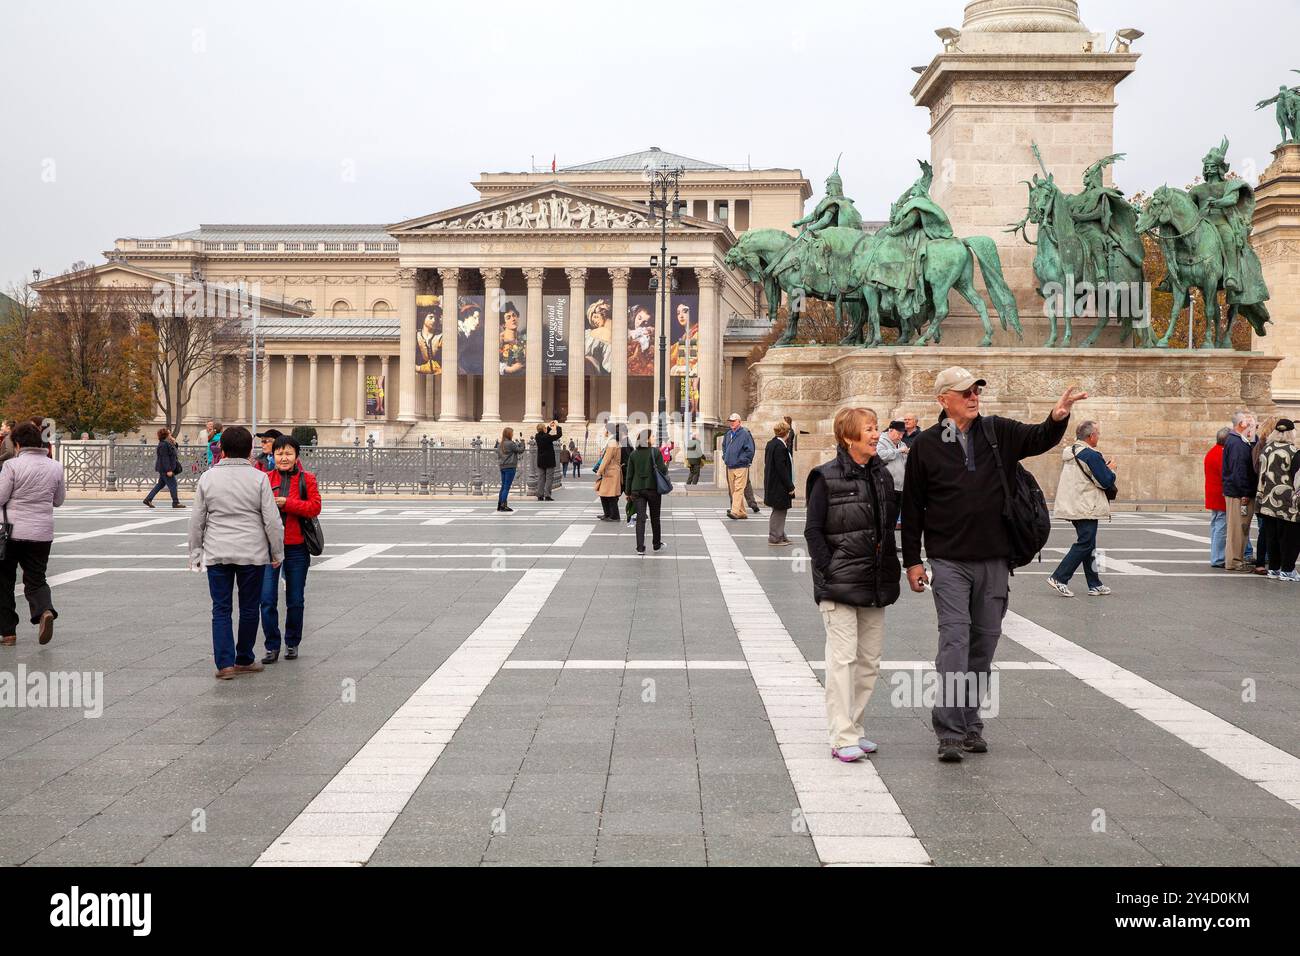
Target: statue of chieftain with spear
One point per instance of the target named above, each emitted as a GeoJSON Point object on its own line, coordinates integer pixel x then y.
{"type": "Point", "coordinates": [1288, 111]}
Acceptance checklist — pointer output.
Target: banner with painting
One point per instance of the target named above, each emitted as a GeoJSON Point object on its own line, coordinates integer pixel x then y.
{"type": "Point", "coordinates": [514, 339]}
{"type": "Point", "coordinates": [684, 349]}
{"type": "Point", "coordinates": [640, 336]}
{"type": "Point", "coordinates": [375, 395]}
{"type": "Point", "coordinates": [469, 334]}
{"type": "Point", "coordinates": [555, 335]}
{"type": "Point", "coordinates": [599, 336]}
{"type": "Point", "coordinates": [428, 334]}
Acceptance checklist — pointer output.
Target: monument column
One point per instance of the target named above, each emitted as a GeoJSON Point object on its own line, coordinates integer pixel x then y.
{"type": "Point", "coordinates": [577, 411]}
{"type": "Point", "coordinates": [450, 347]}
{"type": "Point", "coordinates": [312, 382]}
{"type": "Point", "coordinates": [406, 366]}
{"type": "Point", "coordinates": [533, 369]}
{"type": "Point", "coordinates": [1019, 72]}
{"type": "Point", "coordinates": [1276, 240]}
{"type": "Point", "coordinates": [707, 342]}
{"type": "Point", "coordinates": [288, 389]}
{"type": "Point", "coordinates": [618, 276]}
{"type": "Point", "coordinates": [491, 344]}
{"type": "Point", "coordinates": [336, 399]}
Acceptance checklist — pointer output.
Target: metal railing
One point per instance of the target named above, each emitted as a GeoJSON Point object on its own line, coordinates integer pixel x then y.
{"type": "Point", "coordinates": [371, 469]}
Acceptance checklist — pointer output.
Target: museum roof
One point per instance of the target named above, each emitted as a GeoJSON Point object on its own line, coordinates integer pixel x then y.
{"type": "Point", "coordinates": [286, 232]}
{"type": "Point", "coordinates": [635, 162]}
{"type": "Point", "coordinates": [374, 328]}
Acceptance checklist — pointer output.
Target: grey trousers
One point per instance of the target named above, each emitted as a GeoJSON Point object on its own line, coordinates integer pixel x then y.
{"type": "Point", "coordinates": [776, 525]}
{"type": "Point", "coordinates": [971, 600]}
{"type": "Point", "coordinates": [750, 502]}
{"type": "Point", "coordinates": [545, 482]}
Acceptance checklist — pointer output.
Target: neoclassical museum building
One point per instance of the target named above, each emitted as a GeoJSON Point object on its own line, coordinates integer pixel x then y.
{"type": "Point", "coordinates": [535, 301]}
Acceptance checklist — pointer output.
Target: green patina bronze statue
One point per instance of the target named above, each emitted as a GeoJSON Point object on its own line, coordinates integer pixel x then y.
{"type": "Point", "coordinates": [1088, 248]}
{"type": "Point", "coordinates": [1205, 237]}
{"type": "Point", "coordinates": [1288, 111]}
{"type": "Point", "coordinates": [835, 210]}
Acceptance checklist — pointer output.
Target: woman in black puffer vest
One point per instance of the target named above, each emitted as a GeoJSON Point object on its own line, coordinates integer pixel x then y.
{"type": "Point", "coordinates": [852, 508]}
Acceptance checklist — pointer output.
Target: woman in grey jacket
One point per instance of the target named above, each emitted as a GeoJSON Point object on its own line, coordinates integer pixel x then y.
{"type": "Point", "coordinates": [32, 485]}
{"type": "Point", "coordinates": [508, 452]}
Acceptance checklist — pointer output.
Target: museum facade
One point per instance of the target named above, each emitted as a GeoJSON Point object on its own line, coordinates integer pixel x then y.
{"type": "Point", "coordinates": [535, 301]}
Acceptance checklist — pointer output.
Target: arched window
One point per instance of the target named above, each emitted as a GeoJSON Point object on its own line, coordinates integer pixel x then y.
{"type": "Point", "coordinates": [340, 308]}
{"type": "Point", "coordinates": [380, 308]}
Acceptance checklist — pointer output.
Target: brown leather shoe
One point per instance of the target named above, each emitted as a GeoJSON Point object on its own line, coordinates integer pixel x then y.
{"type": "Point", "coordinates": [8, 640]}
{"type": "Point", "coordinates": [252, 668]}
{"type": "Point", "coordinates": [46, 628]}
{"type": "Point", "coordinates": [226, 673]}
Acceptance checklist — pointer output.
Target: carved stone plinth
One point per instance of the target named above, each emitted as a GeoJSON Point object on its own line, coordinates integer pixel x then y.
{"type": "Point", "coordinates": [1277, 242]}
{"type": "Point", "coordinates": [1159, 411]}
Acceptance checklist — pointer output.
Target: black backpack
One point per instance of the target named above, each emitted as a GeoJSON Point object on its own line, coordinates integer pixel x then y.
{"type": "Point", "coordinates": [1025, 514]}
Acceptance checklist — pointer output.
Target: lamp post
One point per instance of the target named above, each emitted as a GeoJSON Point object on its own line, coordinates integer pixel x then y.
{"type": "Point", "coordinates": [661, 181]}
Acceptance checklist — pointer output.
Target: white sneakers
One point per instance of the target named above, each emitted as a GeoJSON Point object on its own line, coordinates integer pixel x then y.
{"type": "Point", "coordinates": [1059, 587]}
{"type": "Point", "coordinates": [1099, 591]}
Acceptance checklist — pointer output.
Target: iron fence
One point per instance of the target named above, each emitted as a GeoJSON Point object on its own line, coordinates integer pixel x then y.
{"type": "Point", "coordinates": [423, 469]}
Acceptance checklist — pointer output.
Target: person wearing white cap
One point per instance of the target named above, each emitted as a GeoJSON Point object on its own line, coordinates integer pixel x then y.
{"type": "Point", "coordinates": [737, 455]}
{"type": "Point", "coordinates": [953, 499]}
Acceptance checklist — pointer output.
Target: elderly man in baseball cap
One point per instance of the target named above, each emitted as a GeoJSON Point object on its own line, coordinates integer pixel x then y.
{"type": "Point", "coordinates": [265, 461]}
{"type": "Point", "coordinates": [953, 500]}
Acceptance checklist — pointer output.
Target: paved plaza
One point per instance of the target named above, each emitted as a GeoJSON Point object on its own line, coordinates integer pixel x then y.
{"type": "Point", "coordinates": [477, 688]}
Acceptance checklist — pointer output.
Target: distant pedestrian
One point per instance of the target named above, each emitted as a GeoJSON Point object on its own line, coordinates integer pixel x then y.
{"type": "Point", "coordinates": [911, 430]}
{"type": "Point", "coordinates": [214, 442]}
{"type": "Point", "coordinates": [566, 457]}
{"type": "Point", "coordinates": [235, 532]}
{"type": "Point", "coordinates": [790, 441]}
{"type": "Point", "coordinates": [893, 453]}
{"type": "Point", "coordinates": [778, 483]}
{"type": "Point", "coordinates": [297, 495]}
{"type": "Point", "coordinates": [265, 459]}
{"type": "Point", "coordinates": [855, 569]}
{"type": "Point", "coordinates": [32, 485]}
{"type": "Point", "coordinates": [668, 452]}
{"type": "Point", "coordinates": [167, 462]}
{"type": "Point", "coordinates": [1081, 499]}
{"type": "Point", "coordinates": [737, 456]}
{"type": "Point", "coordinates": [1278, 500]}
{"type": "Point", "coordinates": [625, 453]}
{"type": "Point", "coordinates": [954, 501]}
{"type": "Point", "coordinates": [694, 459]}
{"type": "Point", "coordinates": [1260, 434]}
{"type": "Point", "coordinates": [576, 460]}
{"type": "Point", "coordinates": [508, 452]}
{"type": "Point", "coordinates": [1240, 482]}
{"type": "Point", "coordinates": [609, 476]}
{"type": "Point", "coordinates": [547, 435]}
{"type": "Point", "coordinates": [1214, 502]}
{"type": "Point", "coordinates": [643, 488]}
{"type": "Point", "coordinates": [7, 449]}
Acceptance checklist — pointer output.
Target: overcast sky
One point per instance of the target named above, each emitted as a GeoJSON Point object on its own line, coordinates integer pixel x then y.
{"type": "Point", "coordinates": [147, 118]}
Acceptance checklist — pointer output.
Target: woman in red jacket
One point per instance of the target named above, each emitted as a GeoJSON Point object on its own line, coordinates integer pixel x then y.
{"type": "Point", "coordinates": [297, 496]}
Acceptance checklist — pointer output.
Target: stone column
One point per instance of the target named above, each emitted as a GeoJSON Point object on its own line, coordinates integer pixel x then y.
{"type": "Point", "coordinates": [618, 276]}
{"type": "Point", "coordinates": [450, 351]}
{"type": "Point", "coordinates": [264, 386]}
{"type": "Point", "coordinates": [491, 344]}
{"type": "Point", "coordinates": [312, 382]}
{"type": "Point", "coordinates": [1276, 240]}
{"type": "Point", "coordinates": [361, 393]}
{"type": "Point", "coordinates": [406, 364]}
{"type": "Point", "coordinates": [388, 395]}
{"type": "Point", "coordinates": [219, 389]}
{"type": "Point", "coordinates": [577, 412]}
{"type": "Point", "coordinates": [336, 400]}
{"type": "Point", "coordinates": [708, 344]}
{"type": "Point", "coordinates": [533, 370]}
{"type": "Point", "coordinates": [243, 389]}
{"type": "Point", "coordinates": [288, 389]}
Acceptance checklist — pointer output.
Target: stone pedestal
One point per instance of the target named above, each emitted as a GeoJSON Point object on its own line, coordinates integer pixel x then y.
{"type": "Point", "coordinates": [1022, 71]}
{"type": "Point", "coordinates": [1277, 241]}
{"type": "Point", "coordinates": [1159, 411]}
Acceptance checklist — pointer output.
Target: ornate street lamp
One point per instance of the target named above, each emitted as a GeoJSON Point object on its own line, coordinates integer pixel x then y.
{"type": "Point", "coordinates": [661, 182]}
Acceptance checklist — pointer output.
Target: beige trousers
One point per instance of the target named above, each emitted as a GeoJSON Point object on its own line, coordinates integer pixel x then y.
{"type": "Point", "coordinates": [737, 479]}
{"type": "Point", "coordinates": [854, 638]}
{"type": "Point", "coordinates": [1238, 532]}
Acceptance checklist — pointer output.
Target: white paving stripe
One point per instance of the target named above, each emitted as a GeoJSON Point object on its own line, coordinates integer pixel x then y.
{"type": "Point", "coordinates": [117, 529]}
{"type": "Point", "coordinates": [346, 821]}
{"type": "Point", "coordinates": [67, 577]}
{"type": "Point", "coordinates": [705, 665]}
{"type": "Point", "coordinates": [1258, 761]}
{"type": "Point", "coordinates": [849, 811]}
{"type": "Point", "coordinates": [1204, 539]}
{"type": "Point", "coordinates": [345, 561]}
{"type": "Point", "coordinates": [574, 536]}
{"type": "Point", "coordinates": [437, 521]}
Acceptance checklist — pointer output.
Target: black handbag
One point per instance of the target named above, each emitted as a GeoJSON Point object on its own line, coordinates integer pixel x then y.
{"type": "Point", "coordinates": [662, 484]}
{"type": "Point", "coordinates": [312, 535]}
{"type": "Point", "coordinates": [6, 532]}
{"type": "Point", "coordinates": [1025, 514]}
{"type": "Point", "coordinates": [1111, 493]}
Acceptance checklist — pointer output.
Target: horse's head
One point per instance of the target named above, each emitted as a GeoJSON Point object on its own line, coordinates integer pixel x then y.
{"type": "Point", "coordinates": [1042, 193]}
{"type": "Point", "coordinates": [742, 257]}
{"type": "Point", "coordinates": [1157, 212]}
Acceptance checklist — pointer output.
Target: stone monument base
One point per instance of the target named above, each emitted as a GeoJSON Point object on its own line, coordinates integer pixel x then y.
{"type": "Point", "coordinates": [1159, 410]}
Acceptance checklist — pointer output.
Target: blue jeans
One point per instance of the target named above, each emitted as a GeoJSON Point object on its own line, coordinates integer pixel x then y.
{"type": "Point", "coordinates": [164, 481]}
{"type": "Point", "coordinates": [1081, 553]}
{"type": "Point", "coordinates": [294, 566]}
{"type": "Point", "coordinates": [507, 479]}
{"type": "Point", "coordinates": [1218, 537]}
{"type": "Point", "coordinates": [222, 579]}
{"type": "Point", "coordinates": [1261, 546]}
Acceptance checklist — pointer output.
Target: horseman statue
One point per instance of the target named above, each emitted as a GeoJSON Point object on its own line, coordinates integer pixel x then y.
{"type": "Point", "coordinates": [898, 260]}
{"type": "Point", "coordinates": [835, 210]}
{"type": "Point", "coordinates": [1205, 237]}
{"type": "Point", "coordinates": [1088, 249]}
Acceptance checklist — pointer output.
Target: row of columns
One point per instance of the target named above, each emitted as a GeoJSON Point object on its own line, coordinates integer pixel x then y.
{"type": "Point", "coordinates": [709, 343]}
{"type": "Point", "coordinates": [266, 413]}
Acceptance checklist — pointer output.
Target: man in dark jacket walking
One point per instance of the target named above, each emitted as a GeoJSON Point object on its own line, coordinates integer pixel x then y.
{"type": "Point", "coordinates": [953, 499]}
{"type": "Point", "coordinates": [547, 436]}
{"type": "Point", "coordinates": [778, 483]}
{"type": "Point", "coordinates": [1240, 482]}
{"type": "Point", "coordinates": [737, 456]}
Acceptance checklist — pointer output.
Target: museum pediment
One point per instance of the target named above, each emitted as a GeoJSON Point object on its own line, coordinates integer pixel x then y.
{"type": "Point", "coordinates": [552, 207]}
